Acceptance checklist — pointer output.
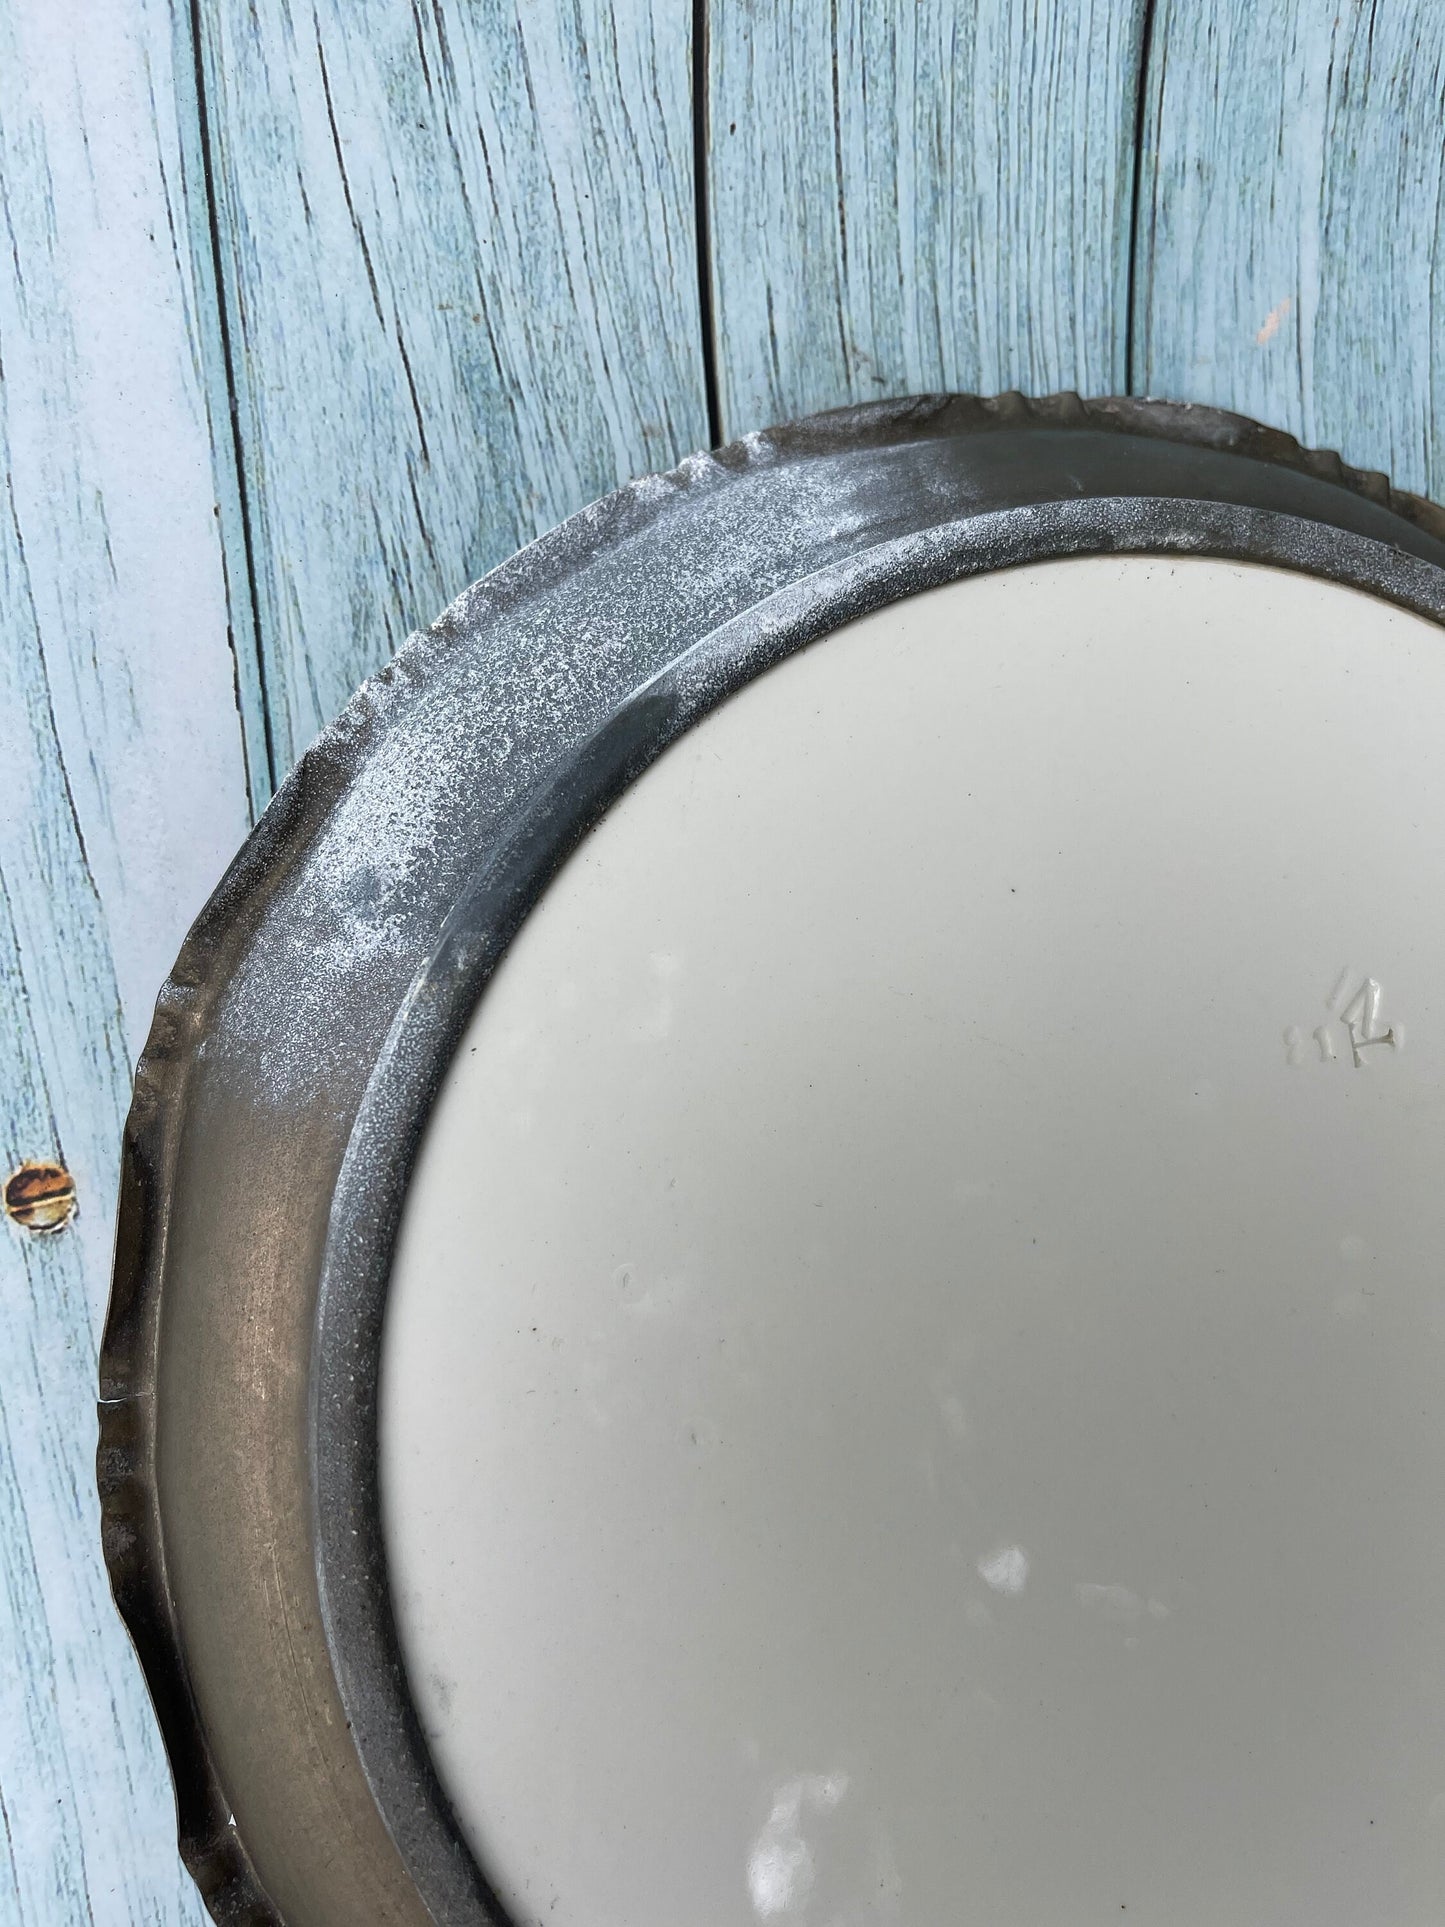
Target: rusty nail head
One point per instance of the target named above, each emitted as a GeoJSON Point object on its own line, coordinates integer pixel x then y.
{"type": "Point", "coordinates": [40, 1196]}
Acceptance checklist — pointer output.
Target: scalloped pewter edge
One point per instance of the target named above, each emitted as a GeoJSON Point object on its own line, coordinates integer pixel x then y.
{"type": "Point", "coordinates": [132, 1532]}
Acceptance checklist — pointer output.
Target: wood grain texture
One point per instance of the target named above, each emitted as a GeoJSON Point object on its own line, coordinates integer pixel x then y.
{"type": "Point", "coordinates": [458, 261]}
{"type": "Point", "coordinates": [441, 258]}
{"type": "Point", "coordinates": [918, 197]}
{"type": "Point", "coordinates": [1291, 224]}
{"type": "Point", "coordinates": [123, 793]}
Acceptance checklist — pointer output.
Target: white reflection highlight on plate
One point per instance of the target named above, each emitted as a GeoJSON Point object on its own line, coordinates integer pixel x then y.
{"type": "Point", "coordinates": [1006, 1570]}
{"type": "Point", "coordinates": [780, 1866]}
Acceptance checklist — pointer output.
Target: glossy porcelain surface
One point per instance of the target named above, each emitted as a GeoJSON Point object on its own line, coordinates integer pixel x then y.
{"type": "Point", "coordinates": [912, 1387]}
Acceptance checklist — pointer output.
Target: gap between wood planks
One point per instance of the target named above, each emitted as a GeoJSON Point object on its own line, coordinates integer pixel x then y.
{"type": "Point", "coordinates": [1141, 109]}
{"type": "Point", "coordinates": [701, 134]}
{"type": "Point", "coordinates": [260, 783]}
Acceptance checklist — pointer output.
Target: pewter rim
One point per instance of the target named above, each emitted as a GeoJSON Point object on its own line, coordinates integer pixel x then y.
{"type": "Point", "coordinates": [370, 1196]}
{"type": "Point", "coordinates": [355, 1614]}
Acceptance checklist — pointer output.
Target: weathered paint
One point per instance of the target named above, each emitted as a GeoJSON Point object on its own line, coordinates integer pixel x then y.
{"type": "Point", "coordinates": [919, 196]}
{"type": "Point", "coordinates": [299, 338]}
{"type": "Point", "coordinates": [123, 792]}
{"type": "Point", "coordinates": [461, 296]}
{"type": "Point", "coordinates": [1291, 236]}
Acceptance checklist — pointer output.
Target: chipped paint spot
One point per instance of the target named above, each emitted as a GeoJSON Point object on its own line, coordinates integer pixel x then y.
{"type": "Point", "coordinates": [1273, 321]}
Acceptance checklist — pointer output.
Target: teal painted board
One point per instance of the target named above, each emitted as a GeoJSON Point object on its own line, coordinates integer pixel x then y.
{"type": "Point", "coordinates": [906, 198]}
{"type": "Point", "coordinates": [1291, 225]}
{"type": "Point", "coordinates": [458, 297]}
{"type": "Point", "coordinates": [122, 792]}
{"type": "Point", "coordinates": [458, 262]}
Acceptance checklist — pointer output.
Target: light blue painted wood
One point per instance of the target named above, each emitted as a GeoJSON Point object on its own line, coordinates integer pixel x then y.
{"type": "Point", "coordinates": [921, 196]}
{"type": "Point", "coordinates": [461, 286]}
{"type": "Point", "coordinates": [121, 793]}
{"type": "Point", "coordinates": [207, 326]}
{"type": "Point", "coordinates": [458, 255]}
{"type": "Point", "coordinates": [1292, 229]}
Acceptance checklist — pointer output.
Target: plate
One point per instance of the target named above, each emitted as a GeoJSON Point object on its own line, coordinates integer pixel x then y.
{"type": "Point", "coordinates": [778, 1244]}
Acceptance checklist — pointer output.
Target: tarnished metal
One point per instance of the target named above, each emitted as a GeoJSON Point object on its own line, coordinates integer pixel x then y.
{"type": "Point", "coordinates": [297, 1045]}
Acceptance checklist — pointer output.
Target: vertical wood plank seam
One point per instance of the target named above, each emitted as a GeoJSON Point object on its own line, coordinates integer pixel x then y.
{"type": "Point", "coordinates": [845, 359]}
{"type": "Point", "coordinates": [236, 528]}
{"type": "Point", "coordinates": [701, 134]}
{"type": "Point", "coordinates": [1141, 109]}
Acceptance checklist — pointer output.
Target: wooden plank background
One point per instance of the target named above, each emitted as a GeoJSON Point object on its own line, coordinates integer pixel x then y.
{"type": "Point", "coordinates": [312, 310]}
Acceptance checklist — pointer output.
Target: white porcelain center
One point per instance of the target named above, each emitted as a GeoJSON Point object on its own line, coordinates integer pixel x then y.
{"type": "Point", "coordinates": [914, 1382]}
